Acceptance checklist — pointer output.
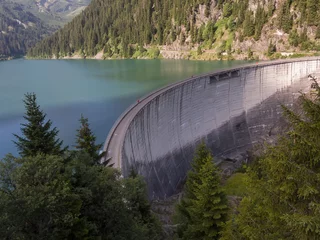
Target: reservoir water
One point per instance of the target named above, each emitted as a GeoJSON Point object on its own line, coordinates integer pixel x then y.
{"type": "Point", "coordinates": [100, 90]}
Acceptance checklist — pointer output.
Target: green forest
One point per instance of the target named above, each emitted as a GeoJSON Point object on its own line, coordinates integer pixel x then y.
{"type": "Point", "coordinates": [51, 192]}
{"type": "Point", "coordinates": [16, 36]}
{"type": "Point", "coordinates": [132, 29]}
{"type": "Point", "coordinates": [23, 23]}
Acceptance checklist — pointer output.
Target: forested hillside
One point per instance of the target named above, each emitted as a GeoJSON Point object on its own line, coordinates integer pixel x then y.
{"type": "Point", "coordinates": [17, 35]}
{"type": "Point", "coordinates": [188, 29]}
{"type": "Point", "coordinates": [25, 22]}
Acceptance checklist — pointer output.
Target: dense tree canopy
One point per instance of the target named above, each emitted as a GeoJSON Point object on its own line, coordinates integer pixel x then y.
{"type": "Point", "coordinates": [53, 197]}
{"type": "Point", "coordinates": [284, 188]}
{"type": "Point", "coordinates": [52, 193]}
{"type": "Point", "coordinates": [19, 30]}
{"type": "Point", "coordinates": [122, 28]}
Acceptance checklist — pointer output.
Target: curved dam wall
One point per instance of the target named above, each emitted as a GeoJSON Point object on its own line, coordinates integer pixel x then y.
{"type": "Point", "coordinates": [230, 110]}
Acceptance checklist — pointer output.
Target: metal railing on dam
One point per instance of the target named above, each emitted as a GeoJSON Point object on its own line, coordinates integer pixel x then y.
{"type": "Point", "coordinates": [230, 110]}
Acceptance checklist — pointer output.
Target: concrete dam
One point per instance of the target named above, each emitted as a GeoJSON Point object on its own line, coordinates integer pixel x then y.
{"type": "Point", "coordinates": [229, 110]}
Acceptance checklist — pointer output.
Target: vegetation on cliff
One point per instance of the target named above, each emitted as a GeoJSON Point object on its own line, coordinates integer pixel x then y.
{"type": "Point", "coordinates": [223, 28]}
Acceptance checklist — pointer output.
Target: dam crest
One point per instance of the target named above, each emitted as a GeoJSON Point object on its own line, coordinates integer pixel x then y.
{"type": "Point", "coordinates": [230, 110]}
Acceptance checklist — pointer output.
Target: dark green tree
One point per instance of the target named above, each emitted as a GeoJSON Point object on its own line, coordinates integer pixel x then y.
{"type": "Point", "coordinates": [271, 49]}
{"type": "Point", "coordinates": [37, 200]}
{"type": "Point", "coordinates": [86, 140]}
{"type": "Point", "coordinates": [135, 193]}
{"type": "Point", "coordinates": [250, 54]}
{"type": "Point", "coordinates": [312, 11]}
{"type": "Point", "coordinates": [294, 38]}
{"type": "Point", "coordinates": [318, 32]}
{"type": "Point", "coordinates": [46, 197]}
{"type": "Point", "coordinates": [248, 24]}
{"type": "Point", "coordinates": [283, 196]}
{"type": "Point", "coordinates": [38, 137]}
{"type": "Point", "coordinates": [285, 20]}
{"type": "Point", "coordinates": [260, 19]}
{"type": "Point", "coordinates": [227, 10]}
{"type": "Point", "coordinates": [203, 209]}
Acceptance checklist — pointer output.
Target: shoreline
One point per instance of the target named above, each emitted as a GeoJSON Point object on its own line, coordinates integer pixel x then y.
{"type": "Point", "coordinates": [182, 55]}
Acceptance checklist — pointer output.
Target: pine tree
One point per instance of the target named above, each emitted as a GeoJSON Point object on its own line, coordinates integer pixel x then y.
{"type": "Point", "coordinates": [271, 49]}
{"type": "Point", "coordinates": [199, 50]}
{"type": "Point", "coordinates": [248, 24]}
{"type": "Point", "coordinates": [86, 139]}
{"type": "Point", "coordinates": [318, 32]}
{"type": "Point", "coordinates": [203, 210]}
{"type": "Point", "coordinates": [283, 201]}
{"type": "Point", "coordinates": [285, 18]}
{"type": "Point", "coordinates": [294, 38]}
{"type": "Point", "coordinates": [37, 137]}
{"type": "Point", "coordinates": [312, 8]}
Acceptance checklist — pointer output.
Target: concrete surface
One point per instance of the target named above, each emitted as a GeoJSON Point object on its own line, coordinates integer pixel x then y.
{"type": "Point", "coordinates": [230, 110]}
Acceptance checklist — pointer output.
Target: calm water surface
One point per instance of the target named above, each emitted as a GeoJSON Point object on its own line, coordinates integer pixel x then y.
{"type": "Point", "coordinates": [100, 90]}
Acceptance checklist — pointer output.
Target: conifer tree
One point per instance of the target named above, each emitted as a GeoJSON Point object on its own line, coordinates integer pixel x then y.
{"type": "Point", "coordinates": [203, 210]}
{"type": "Point", "coordinates": [283, 196]}
{"type": "Point", "coordinates": [312, 8]}
{"type": "Point", "coordinates": [86, 139]}
{"type": "Point", "coordinates": [271, 49]}
{"type": "Point", "coordinates": [318, 32]}
{"type": "Point", "coordinates": [38, 137]}
{"type": "Point", "coordinates": [285, 18]}
{"type": "Point", "coordinates": [248, 24]}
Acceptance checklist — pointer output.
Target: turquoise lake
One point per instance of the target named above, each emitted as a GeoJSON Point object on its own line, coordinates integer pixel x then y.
{"type": "Point", "coordinates": [100, 90]}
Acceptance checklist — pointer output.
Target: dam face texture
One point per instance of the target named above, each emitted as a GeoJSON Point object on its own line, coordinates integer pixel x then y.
{"type": "Point", "coordinates": [230, 110]}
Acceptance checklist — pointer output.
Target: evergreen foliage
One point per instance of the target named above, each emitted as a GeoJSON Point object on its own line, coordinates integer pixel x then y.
{"type": "Point", "coordinates": [271, 49]}
{"type": "Point", "coordinates": [51, 193]}
{"type": "Point", "coordinates": [260, 20]}
{"type": "Point", "coordinates": [36, 200]}
{"type": "Point", "coordinates": [25, 22]}
{"type": "Point", "coordinates": [248, 24]}
{"type": "Point", "coordinates": [284, 194]}
{"type": "Point", "coordinates": [38, 137]}
{"type": "Point", "coordinates": [139, 205]}
{"type": "Point", "coordinates": [85, 140]}
{"type": "Point", "coordinates": [203, 210]}
{"type": "Point", "coordinates": [285, 18]}
{"type": "Point", "coordinates": [294, 38]}
{"type": "Point", "coordinates": [50, 197]}
{"type": "Point", "coordinates": [124, 27]}
{"type": "Point", "coordinates": [15, 38]}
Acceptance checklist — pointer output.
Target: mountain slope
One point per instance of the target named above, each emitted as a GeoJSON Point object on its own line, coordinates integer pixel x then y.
{"type": "Point", "coordinates": [25, 22]}
{"type": "Point", "coordinates": [188, 29]}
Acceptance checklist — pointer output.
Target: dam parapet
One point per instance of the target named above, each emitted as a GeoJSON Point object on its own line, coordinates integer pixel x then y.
{"type": "Point", "coordinates": [230, 110]}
